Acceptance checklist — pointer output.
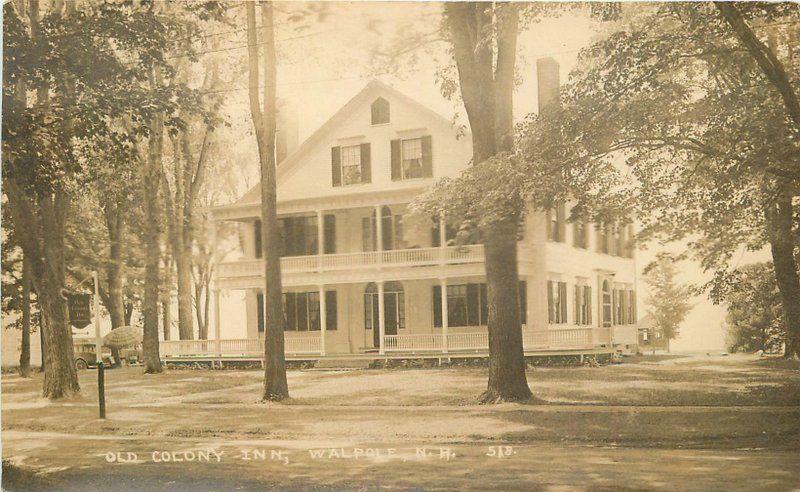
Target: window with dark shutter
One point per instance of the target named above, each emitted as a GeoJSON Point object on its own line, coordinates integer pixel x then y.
{"type": "Point", "coordinates": [329, 229]}
{"type": "Point", "coordinates": [331, 310]}
{"type": "Point", "coordinates": [484, 306]}
{"type": "Point", "coordinates": [366, 165]}
{"type": "Point", "coordinates": [473, 305]}
{"type": "Point", "coordinates": [587, 293]}
{"type": "Point", "coordinates": [396, 171]}
{"type": "Point", "coordinates": [550, 303]}
{"type": "Point", "coordinates": [427, 157]}
{"type": "Point", "coordinates": [257, 236]}
{"type": "Point", "coordinates": [336, 166]}
{"type": "Point", "coordinates": [437, 306]}
{"type": "Point", "coordinates": [291, 318]}
{"type": "Point", "coordinates": [562, 296]}
{"type": "Point", "coordinates": [260, 314]}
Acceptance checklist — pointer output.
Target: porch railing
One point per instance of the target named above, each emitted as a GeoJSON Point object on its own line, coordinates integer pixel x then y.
{"type": "Point", "coordinates": [566, 338]}
{"type": "Point", "coordinates": [478, 341]}
{"type": "Point", "coordinates": [246, 347]}
{"type": "Point", "coordinates": [343, 261]}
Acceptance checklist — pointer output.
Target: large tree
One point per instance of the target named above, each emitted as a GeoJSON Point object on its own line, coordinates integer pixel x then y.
{"type": "Point", "coordinates": [699, 100]}
{"type": "Point", "coordinates": [484, 45]}
{"type": "Point", "coordinates": [262, 110]}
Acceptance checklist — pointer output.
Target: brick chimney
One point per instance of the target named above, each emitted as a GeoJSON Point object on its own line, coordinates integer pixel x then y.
{"type": "Point", "coordinates": [548, 82]}
{"type": "Point", "coordinates": [286, 131]}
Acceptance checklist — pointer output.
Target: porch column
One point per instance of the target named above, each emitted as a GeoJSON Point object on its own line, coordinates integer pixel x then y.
{"type": "Point", "coordinates": [445, 322]}
{"type": "Point", "coordinates": [381, 319]}
{"type": "Point", "coordinates": [320, 239]}
{"type": "Point", "coordinates": [442, 238]}
{"type": "Point", "coordinates": [323, 320]}
{"type": "Point", "coordinates": [379, 236]}
{"type": "Point", "coordinates": [217, 322]}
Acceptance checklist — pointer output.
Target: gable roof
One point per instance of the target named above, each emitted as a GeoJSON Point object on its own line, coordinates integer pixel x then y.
{"type": "Point", "coordinates": [370, 91]}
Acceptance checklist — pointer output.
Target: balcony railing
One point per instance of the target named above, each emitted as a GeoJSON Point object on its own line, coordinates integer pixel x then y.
{"type": "Point", "coordinates": [345, 261]}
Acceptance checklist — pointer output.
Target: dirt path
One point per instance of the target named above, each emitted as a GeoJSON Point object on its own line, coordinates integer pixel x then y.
{"type": "Point", "coordinates": [337, 464]}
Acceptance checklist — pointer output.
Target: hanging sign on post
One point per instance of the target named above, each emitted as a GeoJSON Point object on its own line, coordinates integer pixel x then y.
{"type": "Point", "coordinates": [80, 311]}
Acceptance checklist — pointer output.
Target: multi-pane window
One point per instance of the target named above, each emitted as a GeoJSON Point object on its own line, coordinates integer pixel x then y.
{"type": "Point", "coordinates": [556, 222]}
{"type": "Point", "coordinates": [393, 302]}
{"type": "Point", "coordinates": [299, 236]}
{"type": "Point", "coordinates": [391, 229]}
{"type": "Point", "coordinates": [467, 304]}
{"type": "Point", "coordinates": [351, 164]}
{"type": "Point", "coordinates": [301, 311]}
{"type": "Point", "coordinates": [411, 152]}
{"type": "Point", "coordinates": [556, 302]}
{"type": "Point", "coordinates": [583, 305]}
{"type": "Point", "coordinates": [607, 304]}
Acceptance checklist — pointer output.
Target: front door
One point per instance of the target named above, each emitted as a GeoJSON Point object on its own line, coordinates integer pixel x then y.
{"type": "Point", "coordinates": [390, 316]}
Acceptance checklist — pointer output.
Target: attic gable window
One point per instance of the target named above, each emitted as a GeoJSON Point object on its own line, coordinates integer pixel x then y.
{"type": "Point", "coordinates": [380, 111]}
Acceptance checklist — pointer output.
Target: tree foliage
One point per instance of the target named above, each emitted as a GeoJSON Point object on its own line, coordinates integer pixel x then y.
{"type": "Point", "coordinates": [754, 315]}
{"type": "Point", "coordinates": [668, 301]}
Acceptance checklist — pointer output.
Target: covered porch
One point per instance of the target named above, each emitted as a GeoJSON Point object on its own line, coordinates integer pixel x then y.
{"type": "Point", "coordinates": [467, 343]}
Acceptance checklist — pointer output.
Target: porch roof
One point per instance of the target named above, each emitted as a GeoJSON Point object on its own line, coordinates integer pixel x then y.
{"type": "Point", "coordinates": [403, 193]}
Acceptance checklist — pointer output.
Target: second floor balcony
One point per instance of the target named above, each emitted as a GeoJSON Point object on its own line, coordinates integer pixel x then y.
{"type": "Point", "coordinates": [410, 262]}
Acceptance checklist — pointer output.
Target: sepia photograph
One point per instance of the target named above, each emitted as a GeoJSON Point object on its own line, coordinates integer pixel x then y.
{"type": "Point", "coordinates": [400, 245]}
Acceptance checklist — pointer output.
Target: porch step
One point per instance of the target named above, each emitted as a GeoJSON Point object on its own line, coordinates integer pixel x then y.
{"type": "Point", "coordinates": [342, 364]}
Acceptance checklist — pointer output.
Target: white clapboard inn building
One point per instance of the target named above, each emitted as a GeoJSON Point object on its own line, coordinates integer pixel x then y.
{"type": "Point", "coordinates": [363, 276]}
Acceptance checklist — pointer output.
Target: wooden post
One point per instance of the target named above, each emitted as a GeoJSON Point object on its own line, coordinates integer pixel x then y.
{"type": "Point", "coordinates": [445, 321]}
{"type": "Point", "coordinates": [320, 240]}
{"type": "Point", "coordinates": [323, 319]}
{"type": "Point", "coordinates": [381, 319]}
{"type": "Point", "coordinates": [379, 233]}
{"type": "Point", "coordinates": [217, 326]}
{"type": "Point", "coordinates": [101, 380]}
{"type": "Point", "coordinates": [442, 238]}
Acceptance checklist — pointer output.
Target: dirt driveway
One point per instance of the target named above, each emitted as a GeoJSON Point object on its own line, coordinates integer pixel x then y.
{"type": "Point", "coordinates": [687, 423]}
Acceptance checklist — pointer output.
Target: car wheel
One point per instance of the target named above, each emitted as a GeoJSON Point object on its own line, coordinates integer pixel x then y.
{"type": "Point", "coordinates": [81, 364]}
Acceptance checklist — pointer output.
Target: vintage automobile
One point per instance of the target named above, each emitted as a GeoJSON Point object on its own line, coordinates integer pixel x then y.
{"type": "Point", "coordinates": [86, 356]}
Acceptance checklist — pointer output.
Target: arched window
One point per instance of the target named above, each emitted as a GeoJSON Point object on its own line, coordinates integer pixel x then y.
{"type": "Point", "coordinates": [392, 230]}
{"type": "Point", "coordinates": [380, 111]}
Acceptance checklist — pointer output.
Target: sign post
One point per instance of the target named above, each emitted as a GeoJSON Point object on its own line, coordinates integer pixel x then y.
{"type": "Point", "coordinates": [101, 390]}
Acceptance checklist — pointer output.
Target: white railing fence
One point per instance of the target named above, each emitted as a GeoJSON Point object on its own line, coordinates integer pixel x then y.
{"type": "Point", "coordinates": [246, 347]}
{"type": "Point", "coordinates": [478, 341]}
{"type": "Point", "coordinates": [341, 261]}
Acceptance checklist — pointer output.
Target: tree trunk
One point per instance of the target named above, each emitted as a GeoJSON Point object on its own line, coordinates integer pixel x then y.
{"type": "Point", "coordinates": [113, 213]}
{"type": "Point", "coordinates": [41, 231]}
{"type": "Point", "coordinates": [41, 339]}
{"type": "Point", "coordinates": [275, 385]}
{"type": "Point", "coordinates": [485, 73]}
{"type": "Point", "coordinates": [183, 265]}
{"type": "Point", "coordinates": [25, 350]}
{"type": "Point", "coordinates": [767, 60]}
{"type": "Point", "coordinates": [61, 379]}
{"type": "Point", "coordinates": [781, 239]}
{"type": "Point", "coordinates": [152, 232]}
{"type": "Point", "coordinates": [507, 379]}
{"type": "Point", "coordinates": [166, 318]}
